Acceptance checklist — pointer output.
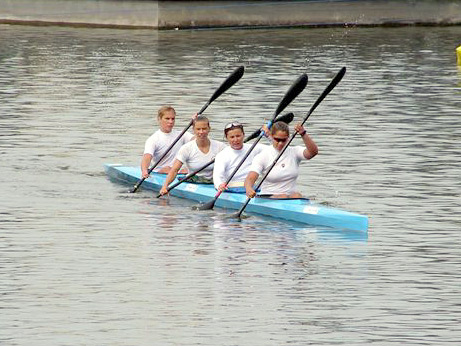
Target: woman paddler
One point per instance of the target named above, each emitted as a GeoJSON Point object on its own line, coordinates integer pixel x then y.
{"type": "Point", "coordinates": [157, 144]}
{"type": "Point", "coordinates": [281, 180]}
{"type": "Point", "coordinates": [195, 154]}
{"type": "Point", "coordinates": [229, 158]}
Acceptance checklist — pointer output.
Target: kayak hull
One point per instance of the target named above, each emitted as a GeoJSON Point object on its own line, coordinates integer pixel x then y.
{"type": "Point", "coordinates": [297, 210]}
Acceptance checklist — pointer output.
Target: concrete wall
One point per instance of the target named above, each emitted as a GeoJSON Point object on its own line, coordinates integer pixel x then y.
{"type": "Point", "coordinates": [184, 14]}
{"type": "Point", "coordinates": [190, 14]}
{"type": "Point", "coordinates": [105, 13]}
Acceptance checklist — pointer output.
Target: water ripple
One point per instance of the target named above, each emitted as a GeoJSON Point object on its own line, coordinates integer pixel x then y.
{"type": "Point", "coordinates": [82, 261]}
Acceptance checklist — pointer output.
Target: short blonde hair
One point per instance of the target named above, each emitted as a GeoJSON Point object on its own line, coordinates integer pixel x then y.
{"type": "Point", "coordinates": [163, 110]}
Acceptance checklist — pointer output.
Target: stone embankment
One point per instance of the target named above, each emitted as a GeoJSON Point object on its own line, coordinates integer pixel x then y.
{"type": "Point", "coordinates": [210, 14]}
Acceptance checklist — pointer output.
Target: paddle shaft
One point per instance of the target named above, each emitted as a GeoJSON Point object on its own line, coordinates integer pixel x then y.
{"type": "Point", "coordinates": [233, 78]}
{"type": "Point", "coordinates": [296, 88]}
{"type": "Point", "coordinates": [327, 90]}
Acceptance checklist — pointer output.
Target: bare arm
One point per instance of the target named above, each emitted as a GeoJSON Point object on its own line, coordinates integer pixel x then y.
{"type": "Point", "coordinates": [249, 182]}
{"type": "Point", "coordinates": [145, 162]}
{"type": "Point", "coordinates": [311, 148]}
{"type": "Point", "coordinates": [171, 175]}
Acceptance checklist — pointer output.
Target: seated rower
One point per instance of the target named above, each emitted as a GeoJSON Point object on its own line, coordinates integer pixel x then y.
{"type": "Point", "coordinates": [195, 154]}
{"type": "Point", "coordinates": [157, 144]}
{"type": "Point", "coordinates": [281, 180]}
{"type": "Point", "coordinates": [229, 158]}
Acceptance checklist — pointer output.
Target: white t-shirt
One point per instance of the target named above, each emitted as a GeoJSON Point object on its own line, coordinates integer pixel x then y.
{"type": "Point", "coordinates": [194, 158]}
{"type": "Point", "coordinates": [159, 142]}
{"type": "Point", "coordinates": [282, 178]}
{"type": "Point", "coordinates": [228, 159]}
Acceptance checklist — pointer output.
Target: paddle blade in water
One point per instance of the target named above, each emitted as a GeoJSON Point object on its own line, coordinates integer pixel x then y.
{"type": "Point", "coordinates": [207, 206]}
{"type": "Point", "coordinates": [236, 216]}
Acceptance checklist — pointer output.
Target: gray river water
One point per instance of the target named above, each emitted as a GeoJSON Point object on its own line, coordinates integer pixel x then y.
{"type": "Point", "coordinates": [83, 262]}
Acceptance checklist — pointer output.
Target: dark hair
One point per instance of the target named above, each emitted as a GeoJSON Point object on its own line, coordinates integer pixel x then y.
{"type": "Point", "coordinates": [232, 126]}
{"type": "Point", "coordinates": [202, 118]}
{"type": "Point", "coordinates": [280, 126]}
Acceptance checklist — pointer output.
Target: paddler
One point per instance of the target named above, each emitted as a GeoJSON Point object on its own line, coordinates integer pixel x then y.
{"type": "Point", "coordinates": [195, 154]}
{"type": "Point", "coordinates": [281, 181]}
{"type": "Point", "coordinates": [157, 144]}
{"type": "Point", "coordinates": [229, 158]}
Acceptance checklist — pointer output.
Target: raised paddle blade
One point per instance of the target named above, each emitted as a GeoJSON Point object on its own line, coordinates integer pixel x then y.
{"type": "Point", "coordinates": [298, 86]}
{"type": "Point", "coordinates": [286, 118]}
{"type": "Point", "coordinates": [233, 78]}
{"type": "Point", "coordinates": [327, 90]}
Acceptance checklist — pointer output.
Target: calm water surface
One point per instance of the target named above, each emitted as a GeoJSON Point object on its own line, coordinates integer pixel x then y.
{"type": "Point", "coordinates": [83, 262]}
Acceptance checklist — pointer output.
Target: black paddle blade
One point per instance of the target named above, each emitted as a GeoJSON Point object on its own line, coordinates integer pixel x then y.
{"type": "Point", "coordinates": [335, 81]}
{"type": "Point", "coordinates": [292, 93]}
{"type": "Point", "coordinates": [328, 89]}
{"type": "Point", "coordinates": [233, 78]}
{"type": "Point", "coordinates": [286, 118]}
{"type": "Point", "coordinates": [207, 206]}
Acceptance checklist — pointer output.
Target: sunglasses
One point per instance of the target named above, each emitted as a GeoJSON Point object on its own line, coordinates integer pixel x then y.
{"type": "Point", "coordinates": [231, 125]}
{"type": "Point", "coordinates": [280, 140]}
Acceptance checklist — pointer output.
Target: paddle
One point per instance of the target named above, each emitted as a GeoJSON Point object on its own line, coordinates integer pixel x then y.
{"type": "Point", "coordinates": [286, 118]}
{"type": "Point", "coordinates": [290, 95]}
{"type": "Point", "coordinates": [233, 78]}
{"type": "Point", "coordinates": [327, 90]}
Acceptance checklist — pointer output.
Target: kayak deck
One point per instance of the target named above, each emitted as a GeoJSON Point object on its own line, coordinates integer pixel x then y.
{"type": "Point", "coordinates": [299, 210]}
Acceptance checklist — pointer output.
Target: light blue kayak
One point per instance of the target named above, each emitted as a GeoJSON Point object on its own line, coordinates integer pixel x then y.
{"type": "Point", "coordinates": [299, 210]}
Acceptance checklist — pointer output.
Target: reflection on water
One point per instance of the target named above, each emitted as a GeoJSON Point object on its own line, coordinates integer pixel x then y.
{"type": "Point", "coordinates": [84, 261]}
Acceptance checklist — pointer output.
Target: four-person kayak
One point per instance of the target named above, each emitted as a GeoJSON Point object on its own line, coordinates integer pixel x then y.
{"type": "Point", "coordinates": [299, 210]}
